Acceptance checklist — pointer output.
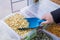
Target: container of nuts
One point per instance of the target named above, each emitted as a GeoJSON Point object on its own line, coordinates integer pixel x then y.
{"type": "Point", "coordinates": [15, 21]}
{"type": "Point", "coordinates": [53, 30]}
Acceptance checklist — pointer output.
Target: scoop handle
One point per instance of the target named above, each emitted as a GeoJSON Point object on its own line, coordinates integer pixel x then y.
{"type": "Point", "coordinates": [38, 24]}
{"type": "Point", "coordinates": [40, 21]}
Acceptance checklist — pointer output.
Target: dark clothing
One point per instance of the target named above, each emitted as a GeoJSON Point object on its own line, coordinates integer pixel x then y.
{"type": "Point", "coordinates": [56, 15]}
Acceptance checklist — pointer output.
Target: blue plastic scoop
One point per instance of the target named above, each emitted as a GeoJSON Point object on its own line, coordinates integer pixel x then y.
{"type": "Point", "coordinates": [33, 23]}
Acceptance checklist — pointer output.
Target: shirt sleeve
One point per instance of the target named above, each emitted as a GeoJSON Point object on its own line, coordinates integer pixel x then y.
{"type": "Point", "coordinates": [56, 15]}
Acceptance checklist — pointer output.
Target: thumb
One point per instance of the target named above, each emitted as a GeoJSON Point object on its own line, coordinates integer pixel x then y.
{"type": "Point", "coordinates": [45, 22]}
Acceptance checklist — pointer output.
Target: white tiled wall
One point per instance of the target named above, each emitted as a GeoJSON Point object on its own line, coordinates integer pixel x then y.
{"type": "Point", "coordinates": [9, 6]}
{"type": "Point", "coordinates": [5, 8]}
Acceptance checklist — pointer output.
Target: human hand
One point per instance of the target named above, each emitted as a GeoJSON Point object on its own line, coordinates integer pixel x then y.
{"type": "Point", "coordinates": [48, 17]}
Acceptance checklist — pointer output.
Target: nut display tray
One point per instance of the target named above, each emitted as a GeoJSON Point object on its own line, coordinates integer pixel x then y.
{"type": "Point", "coordinates": [54, 37]}
{"type": "Point", "coordinates": [27, 36]}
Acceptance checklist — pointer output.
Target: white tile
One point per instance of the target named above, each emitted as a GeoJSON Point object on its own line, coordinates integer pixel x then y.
{"type": "Point", "coordinates": [16, 0]}
{"type": "Point", "coordinates": [19, 5]}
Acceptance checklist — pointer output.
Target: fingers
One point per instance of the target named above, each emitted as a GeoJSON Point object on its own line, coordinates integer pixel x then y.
{"type": "Point", "coordinates": [43, 17]}
{"type": "Point", "coordinates": [48, 17]}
